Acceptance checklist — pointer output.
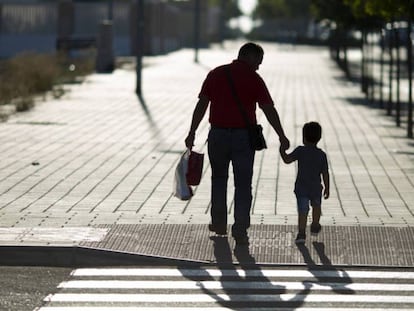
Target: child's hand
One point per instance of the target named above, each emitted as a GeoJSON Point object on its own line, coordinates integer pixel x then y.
{"type": "Point", "coordinates": [287, 158]}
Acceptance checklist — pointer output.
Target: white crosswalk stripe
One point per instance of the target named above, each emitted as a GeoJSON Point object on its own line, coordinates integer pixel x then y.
{"type": "Point", "coordinates": [232, 285]}
{"type": "Point", "coordinates": [209, 309]}
{"type": "Point", "coordinates": [242, 273]}
{"type": "Point", "coordinates": [212, 289]}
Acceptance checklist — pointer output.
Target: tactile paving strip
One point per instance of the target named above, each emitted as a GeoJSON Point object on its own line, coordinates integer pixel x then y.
{"type": "Point", "coordinates": [271, 244]}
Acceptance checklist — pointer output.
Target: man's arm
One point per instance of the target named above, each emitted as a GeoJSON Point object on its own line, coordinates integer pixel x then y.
{"type": "Point", "coordinates": [198, 115]}
{"type": "Point", "coordinates": [273, 117]}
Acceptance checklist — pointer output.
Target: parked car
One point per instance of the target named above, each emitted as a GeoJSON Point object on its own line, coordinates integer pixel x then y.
{"type": "Point", "coordinates": [401, 28]}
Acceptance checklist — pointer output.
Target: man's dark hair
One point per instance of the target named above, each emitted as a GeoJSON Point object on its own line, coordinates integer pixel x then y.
{"type": "Point", "coordinates": [250, 48]}
{"type": "Point", "coordinates": [312, 132]}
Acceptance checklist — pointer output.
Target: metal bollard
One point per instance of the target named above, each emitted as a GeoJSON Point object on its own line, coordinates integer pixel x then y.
{"type": "Point", "coordinates": [105, 54]}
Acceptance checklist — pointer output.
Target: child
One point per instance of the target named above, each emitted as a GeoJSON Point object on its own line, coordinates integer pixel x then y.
{"type": "Point", "coordinates": [312, 163]}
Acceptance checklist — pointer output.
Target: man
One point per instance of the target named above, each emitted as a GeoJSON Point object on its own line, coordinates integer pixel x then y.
{"type": "Point", "coordinates": [228, 137]}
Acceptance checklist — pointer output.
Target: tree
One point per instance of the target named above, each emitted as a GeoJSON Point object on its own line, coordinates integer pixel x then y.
{"type": "Point", "coordinates": [281, 20]}
{"type": "Point", "coordinates": [366, 23]}
{"type": "Point", "coordinates": [334, 10]}
{"type": "Point", "coordinates": [368, 15]}
{"type": "Point", "coordinates": [391, 10]}
{"type": "Point", "coordinates": [228, 9]}
{"type": "Point", "coordinates": [271, 9]}
{"type": "Point", "coordinates": [342, 21]}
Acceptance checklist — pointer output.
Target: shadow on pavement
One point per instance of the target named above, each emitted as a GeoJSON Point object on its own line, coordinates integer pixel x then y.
{"type": "Point", "coordinates": [155, 130]}
{"type": "Point", "coordinates": [341, 280]}
{"type": "Point", "coordinates": [237, 287]}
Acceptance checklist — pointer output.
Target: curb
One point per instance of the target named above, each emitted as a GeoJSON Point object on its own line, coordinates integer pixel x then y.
{"type": "Point", "coordinates": [76, 256]}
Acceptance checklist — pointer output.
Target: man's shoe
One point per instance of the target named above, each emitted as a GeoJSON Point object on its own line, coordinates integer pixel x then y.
{"type": "Point", "coordinates": [218, 229]}
{"type": "Point", "coordinates": [300, 238]}
{"type": "Point", "coordinates": [242, 240]}
{"type": "Point", "coordinates": [315, 228]}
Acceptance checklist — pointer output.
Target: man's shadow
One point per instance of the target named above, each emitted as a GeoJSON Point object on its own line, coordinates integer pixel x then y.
{"type": "Point", "coordinates": [342, 279]}
{"type": "Point", "coordinates": [244, 285]}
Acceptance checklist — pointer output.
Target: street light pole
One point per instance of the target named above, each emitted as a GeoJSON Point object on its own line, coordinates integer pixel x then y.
{"type": "Point", "coordinates": [222, 20]}
{"type": "Point", "coordinates": [110, 10]}
{"type": "Point", "coordinates": [410, 74]}
{"type": "Point", "coordinates": [140, 46]}
{"type": "Point", "coordinates": [196, 29]}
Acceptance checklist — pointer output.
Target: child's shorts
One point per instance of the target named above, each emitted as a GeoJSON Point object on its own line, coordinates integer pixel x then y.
{"type": "Point", "coordinates": [303, 203]}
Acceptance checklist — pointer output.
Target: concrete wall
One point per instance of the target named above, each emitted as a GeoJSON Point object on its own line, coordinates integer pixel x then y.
{"type": "Point", "coordinates": [35, 25]}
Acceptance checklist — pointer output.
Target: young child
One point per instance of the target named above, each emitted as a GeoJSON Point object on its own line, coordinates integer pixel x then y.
{"type": "Point", "coordinates": [312, 164]}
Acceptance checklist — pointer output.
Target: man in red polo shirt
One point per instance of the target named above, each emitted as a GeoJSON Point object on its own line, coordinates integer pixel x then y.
{"type": "Point", "coordinates": [228, 139]}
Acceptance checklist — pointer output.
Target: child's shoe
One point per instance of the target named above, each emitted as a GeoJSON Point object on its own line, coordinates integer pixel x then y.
{"type": "Point", "coordinates": [300, 238]}
{"type": "Point", "coordinates": [315, 228]}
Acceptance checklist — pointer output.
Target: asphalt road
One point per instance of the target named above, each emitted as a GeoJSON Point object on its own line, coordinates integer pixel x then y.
{"type": "Point", "coordinates": [23, 288]}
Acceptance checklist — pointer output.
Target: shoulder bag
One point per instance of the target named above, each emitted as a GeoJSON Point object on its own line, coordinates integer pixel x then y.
{"type": "Point", "coordinates": [256, 138]}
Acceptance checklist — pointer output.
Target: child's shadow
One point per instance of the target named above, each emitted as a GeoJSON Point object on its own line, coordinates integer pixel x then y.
{"type": "Point", "coordinates": [324, 277]}
{"type": "Point", "coordinates": [237, 279]}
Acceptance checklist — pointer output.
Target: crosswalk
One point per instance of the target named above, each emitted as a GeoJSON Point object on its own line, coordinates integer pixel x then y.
{"type": "Point", "coordinates": [232, 288]}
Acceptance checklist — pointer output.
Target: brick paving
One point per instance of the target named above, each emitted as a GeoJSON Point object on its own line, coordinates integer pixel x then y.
{"type": "Point", "coordinates": [100, 156]}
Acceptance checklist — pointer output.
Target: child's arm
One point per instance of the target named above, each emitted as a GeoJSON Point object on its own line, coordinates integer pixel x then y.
{"type": "Point", "coordinates": [287, 158]}
{"type": "Point", "coordinates": [325, 178]}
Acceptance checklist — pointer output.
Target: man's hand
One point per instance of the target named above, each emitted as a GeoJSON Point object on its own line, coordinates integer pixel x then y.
{"type": "Point", "coordinates": [287, 158]}
{"type": "Point", "coordinates": [189, 141]}
{"type": "Point", "coordinates": [284, 143]}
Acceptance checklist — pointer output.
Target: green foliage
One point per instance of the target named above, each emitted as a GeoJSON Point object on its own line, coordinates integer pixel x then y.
{"type": "Point", "coordinates": [270, 9]}
{"type": "Point", "coordinates": [389, 9]}
{"type": "Point", "coordinates": [351, 13]}
{"type": "Point", "coordinates": [298, 8]}
{"type": "Point", "coordinates": [334, 10]}
{"type": "Point", "coordinates": [363, 18]}
{"type": "Point", "coordinates": [26, 74]}
{"type": "Point", "coordinates": [365, 13]}
{"type": "Point", "coordinates": [231, 7]}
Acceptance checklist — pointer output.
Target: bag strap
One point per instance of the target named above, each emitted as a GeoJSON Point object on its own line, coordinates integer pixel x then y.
{"type": "Point", "coordinates": [236, 97]}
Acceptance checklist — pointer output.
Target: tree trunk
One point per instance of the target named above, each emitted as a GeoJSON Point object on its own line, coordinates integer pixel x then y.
{"type": "Point", "coordinates": [410, 79]}
{"type": "Point", "coordinates": [398, 100]}
{"type": "Point", "coordinates": [371, 64]}
{"type": "Point", "coordinates": [364, 85]}
{"type": "Point", "coordinates": [390, 72]}
{"type": "Point", "coordinates": [381, 94]}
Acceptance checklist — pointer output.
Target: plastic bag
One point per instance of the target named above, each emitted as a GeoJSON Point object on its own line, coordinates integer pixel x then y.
{"type": "Point", "coordinates": [195, 168]}
{"type": "Point", "coordinates": [181, 189]}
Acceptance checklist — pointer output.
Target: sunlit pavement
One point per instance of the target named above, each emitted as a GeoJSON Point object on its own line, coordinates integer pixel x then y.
{"type": "Point", "coordinates": [95, 168]}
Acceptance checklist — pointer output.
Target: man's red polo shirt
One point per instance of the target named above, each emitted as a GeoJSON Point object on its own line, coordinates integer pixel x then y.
{"type": "Point", "coordinates": [250, 87]}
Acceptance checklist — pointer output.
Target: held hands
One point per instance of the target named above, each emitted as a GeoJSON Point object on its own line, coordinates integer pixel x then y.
{"type": "Point", "coordinates": [284, 143]}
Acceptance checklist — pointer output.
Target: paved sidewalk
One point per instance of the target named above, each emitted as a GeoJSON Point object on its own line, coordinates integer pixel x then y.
{"type": "Point", "coordinates": [99, 158]}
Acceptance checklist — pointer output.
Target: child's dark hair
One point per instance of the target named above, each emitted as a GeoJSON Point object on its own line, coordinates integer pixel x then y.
{"type": "Point", "coordinates": [312, 132]}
